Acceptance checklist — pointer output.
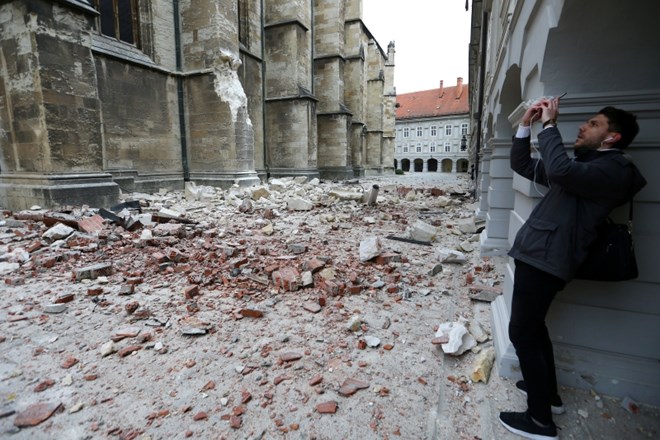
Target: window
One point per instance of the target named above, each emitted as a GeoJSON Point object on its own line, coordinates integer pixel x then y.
{"type": "Point", "coordinates": [243, 23]}
{"type": "Point", "coordinates": [463, 143]}
{"type": "Point", "coordinates": [119, 19]}
{"type": "Point", "coordinates": [405, 148]}
{"type": "Point", "coordinates": [464, 129]}
{"type": "Point", "coordinates": [448, 130]}
{"type": "Point", "coordinates": [434, 131]}
{"type": "Point", "coordinates": [419, 148]}
{"type": "Point", "coordinates": [447, 147]}
{"type": "Point", "coordinates": [420, 132]}
{"type": "Point", "coordinates": [432, 147]}
{"type": "Point", "coordinates": [406, 132]}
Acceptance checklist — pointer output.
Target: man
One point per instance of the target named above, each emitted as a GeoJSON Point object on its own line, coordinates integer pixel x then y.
{"type": "Point", "coordinates": [553, 241]}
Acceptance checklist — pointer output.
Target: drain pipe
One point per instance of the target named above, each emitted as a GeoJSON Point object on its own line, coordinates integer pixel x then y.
{"type": "Point", "coordinates": [179, 92]}
{"type": "Point", "coordinates": [482, 80]}
{"type": "Point", "coordinates": [263, 90]}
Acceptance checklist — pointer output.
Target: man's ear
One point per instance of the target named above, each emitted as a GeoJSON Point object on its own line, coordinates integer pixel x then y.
{"type": "Point", "coordinates": [613, 138]}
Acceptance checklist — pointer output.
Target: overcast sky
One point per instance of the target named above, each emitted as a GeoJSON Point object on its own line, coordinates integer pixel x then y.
{"type": "Point", "coordinates": [431, 40]}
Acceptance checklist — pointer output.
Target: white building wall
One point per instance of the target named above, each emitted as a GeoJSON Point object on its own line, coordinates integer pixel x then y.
{"type": "Point", "coordinates": [413, 143]}
{"type": "Point", "coordinates": [606, 335]}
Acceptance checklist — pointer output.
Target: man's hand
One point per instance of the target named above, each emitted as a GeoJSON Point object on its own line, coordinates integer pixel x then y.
{"type": "Point", "coordinates": [532, 114]}
{"type": "Point", "coordinates": [550, 110]}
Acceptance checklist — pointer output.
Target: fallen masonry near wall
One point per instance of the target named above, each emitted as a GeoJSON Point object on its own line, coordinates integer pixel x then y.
{"type": "Point", "coordinates": [203, 312]}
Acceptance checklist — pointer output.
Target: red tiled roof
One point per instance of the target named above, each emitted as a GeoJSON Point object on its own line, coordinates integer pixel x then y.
{"type": "Point", "coordinates": [430, 103]}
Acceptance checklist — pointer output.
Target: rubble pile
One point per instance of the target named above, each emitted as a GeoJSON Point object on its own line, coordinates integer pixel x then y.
{"type": "Point", "coordinates": [291, 306]}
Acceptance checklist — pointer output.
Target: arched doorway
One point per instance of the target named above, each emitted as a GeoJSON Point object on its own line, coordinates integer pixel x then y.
{"type": "Point", "coordinates": [462, 166]}
{"type": "Point", "coordinates": [419, 165]}
{"type": "Point", "coordinates": [447, 165]}
{"type": "Point", "coordinates": [432, 165]}
{"type": "Point", "coordinates": [405, 164]}
{"type": "Point", "coordinates": [396, 162]}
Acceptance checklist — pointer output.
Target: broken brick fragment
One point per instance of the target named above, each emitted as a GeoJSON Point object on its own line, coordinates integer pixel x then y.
{"type": "Point", "coordinates": [191, 291]}
{"type": "Point", "coordinates": [290, 356]}
{"type": "Point", "coordinates": [327, 407]}
{"type": "Point", "coordinates": [69, 362]}
{"type": "Point", "coordinates": [287, 278]}
{"type": "Point", "coordinates": [351, 386]}
{"type": "Point", "coordinates": [128, 350]}
{"type": "Point", "coordinates": [316, 380]}
{"type": "Point", "coordinates": [200, 416]}
{"type": "Point", "coordinates": [90, 225]}
{"type": "Point", "coordinates": [44, 385]}
{"type": "Point", "coordinates": [235, 422]}
{"type": "Point", "coordinates": [279, 379]}
{"type": "Point", "coordinates": [314, 265]}
{"type": "Point", "coordinates": [250, 313]}
{"type": "Point", "coordinates": [92, 272]}
{"type": "Point", "coordinates": [35, 414]}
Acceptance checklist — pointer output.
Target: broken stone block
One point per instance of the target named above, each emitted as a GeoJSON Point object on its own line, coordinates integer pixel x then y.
{"type": "Point", "coordinates": [346, 195]}
{"type": "Point", "coordinates": [260, 192]}
{"type": "Point", "coordinates": [476, 330]}
{"type": "Point", "coordinates": [483, 365]}
{"type": "Point", "coordinates": [169, 229]}
{"type": "Point", "coordinates": [480, 292]}
{"type": "Point", "coordinates": [422, 231]}
{"type": "Point", "coordinates": [268, 229]}
{"type": "Point", "coordinates": [58, 232]}
{"type": "Point", "coordinates": [460, 339]}
{"type": "Point", "coordinates": [92, 272]}
{"type": "Point", "coordinates": [245, 206]}
{"type": "Point", "coordinates": [372, 341]}
{"type": "Point", "coordinates": [467, 225]}
{"type": "Point", "coordinates": [466, 246]}
{"type": "Point", "coordinates": [6, 268]}
{"type": "Point", "coordinates": [299, 204]}
{"type": "Point", "coordinates": [307, 279]}
{"type": "Point", "coordinates": [54, 308]}
{"type": "Point", "coordinates": [446, 255]}
{"type": "Point", "coordinates": [370, 248]}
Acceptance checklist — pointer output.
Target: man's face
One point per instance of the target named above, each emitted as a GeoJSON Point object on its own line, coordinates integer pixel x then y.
{"type": "Point", "coordinates": [593, 132]}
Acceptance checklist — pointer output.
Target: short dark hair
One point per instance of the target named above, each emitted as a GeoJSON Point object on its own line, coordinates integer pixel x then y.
{"type": "Point", "coordinates": [622, 122]}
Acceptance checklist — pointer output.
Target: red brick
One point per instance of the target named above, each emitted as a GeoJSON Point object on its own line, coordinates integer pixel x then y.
{"type": "Point", "coordinates": [327, 407]}
{"type": "Point", "coordinates": [287, 278]}
{"type": "Point", "coordinates": [249, 313]}
{"type": "Point", "coordinates": [128, 350]}
{"type": "Point", "coordinates": [314, 265]}
{"type": "Point", "coordinates": [91, 224]}
{"type": "Point", "coordinates": [191, 291]}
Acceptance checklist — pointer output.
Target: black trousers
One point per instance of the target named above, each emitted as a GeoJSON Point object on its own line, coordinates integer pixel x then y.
{"type": "Point", "coordinates": [533, 292]}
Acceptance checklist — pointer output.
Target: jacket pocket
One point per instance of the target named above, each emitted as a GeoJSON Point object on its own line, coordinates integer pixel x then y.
{"type": "Point", "coordinates": [537, 238]}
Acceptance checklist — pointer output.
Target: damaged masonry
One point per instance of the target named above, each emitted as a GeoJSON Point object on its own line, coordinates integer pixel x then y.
{"type": "Point", "coordinates": [296, 305]}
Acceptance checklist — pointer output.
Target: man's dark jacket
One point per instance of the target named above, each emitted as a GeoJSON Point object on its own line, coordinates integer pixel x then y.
{"type": "Point", "coordinates": [583, 191]}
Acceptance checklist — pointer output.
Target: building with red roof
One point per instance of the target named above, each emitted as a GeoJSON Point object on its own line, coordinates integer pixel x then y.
{"type": "Point", "coordinates": [432, 130]}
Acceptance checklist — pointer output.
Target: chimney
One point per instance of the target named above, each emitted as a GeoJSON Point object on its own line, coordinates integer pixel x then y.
{"type": "Point", "coordinates": [441, 91]}
{"type": "Point", "coordinates": [459, 87]}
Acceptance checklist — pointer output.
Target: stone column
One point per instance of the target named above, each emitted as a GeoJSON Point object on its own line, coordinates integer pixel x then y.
{"type": "Point", "coordinates": [494, 239]}
{"type": "Point", "coordinates": [375, 89]}
{"type": "Point", "coordinates": [222, 136]}
{"type": "Point", "coordinates": [334, 118]}
{"type": "Point", "coordinates": [291, 124]}
{"type": "Point", "coordinates": [389, 112]}
{"type": "Point", "coordinates": [355, 75]}
{"type": "Point", "coordinates": [51, 148]}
